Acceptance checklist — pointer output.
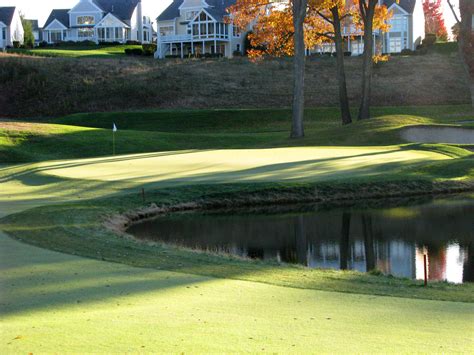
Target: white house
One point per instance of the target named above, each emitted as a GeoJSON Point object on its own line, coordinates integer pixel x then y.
{"type": "Point", "coordinates": [99, 21]}
{"type": "Point", "coordinates": [11, 29]}
{"type": "Point", "coordinates": [197, 27]}
{"type": "Point", "coordinates": [407, 25]}
{"type": "Point", "coordinates": [407, 30]}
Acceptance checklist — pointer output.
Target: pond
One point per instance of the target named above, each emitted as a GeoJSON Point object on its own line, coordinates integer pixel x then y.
{"type": "Point", "coordinates": [391, 239]}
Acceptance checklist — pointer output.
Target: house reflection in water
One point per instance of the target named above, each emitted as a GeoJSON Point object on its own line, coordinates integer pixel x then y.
{"type": "Point", "coordinates": [390, 240]}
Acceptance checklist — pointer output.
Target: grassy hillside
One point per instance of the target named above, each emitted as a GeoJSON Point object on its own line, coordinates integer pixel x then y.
{"type": "Point", "coordinates": [77, 51]}
{"type": "Point", "coordinates": [89, 135]}
{"type": "Point", "coordinates": [34, 86]}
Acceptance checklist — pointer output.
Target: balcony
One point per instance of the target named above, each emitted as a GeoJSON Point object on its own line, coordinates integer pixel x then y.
{"type": "Point", "coordinates": [190, 38]}
{"type": "Point", "coordinates": [175, 38]}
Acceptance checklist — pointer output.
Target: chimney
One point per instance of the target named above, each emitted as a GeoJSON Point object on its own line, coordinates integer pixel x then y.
{"type": "Point", "coordinates": [140, 21]}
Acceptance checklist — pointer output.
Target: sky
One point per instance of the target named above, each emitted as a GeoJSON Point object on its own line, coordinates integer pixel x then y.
{"type": "Point", "coordinates": [40, 9]}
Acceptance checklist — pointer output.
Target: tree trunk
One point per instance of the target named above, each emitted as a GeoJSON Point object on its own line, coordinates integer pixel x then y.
{"type": "Point", "coordinates": [369, 245]}
{"type": "Point", "coordinates": [466, 42]}
{"type": "Point", "coordinates": [299, 15]}
{"type": "Point", "coordinates": [341, 72]}
{"type": "Point", "coordinates": [344, 251]}
{"type": "Point", "coordinates": [368, 18]}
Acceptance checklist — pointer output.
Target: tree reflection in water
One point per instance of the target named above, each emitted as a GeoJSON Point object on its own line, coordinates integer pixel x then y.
{"type": "Point", "coordinates": [392, 240]}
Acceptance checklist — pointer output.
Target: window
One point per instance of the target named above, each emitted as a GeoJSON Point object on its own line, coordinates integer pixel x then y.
{"type": "Point", "coordinates": [4, 33]}
{"type": "Point", "coordinates": [85, 20]}
{"type": "Point", "coordinates": [395, 45]}
{"type": "Point", "coordinates": [205, 27]}
{"type": "Point", "coordinates": [118, 33]}
{"type": "Point", "coordinates": [189, 15]}
{"type": "Point", "coordinates": [398, 24]}
{"type": "Point", "coordinates": [56, 36]}
{"type": "Point", "coordinates": [236, 32]}
{"type": "Point", "coordinates": [237, 48]}
{"type": "Point", "coordinates": [166, 31]}
{"type": "Point", "coordinates": [85, 32]}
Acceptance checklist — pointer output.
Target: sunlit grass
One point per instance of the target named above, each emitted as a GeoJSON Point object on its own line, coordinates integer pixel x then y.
{"type": "Point", "coordinates": [77, 52]}
{"type": "Point", "coordinates": [53, 302]}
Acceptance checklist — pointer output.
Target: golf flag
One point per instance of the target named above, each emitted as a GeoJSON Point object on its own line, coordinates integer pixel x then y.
{"type": "Point", "coordinates": [114, 128]}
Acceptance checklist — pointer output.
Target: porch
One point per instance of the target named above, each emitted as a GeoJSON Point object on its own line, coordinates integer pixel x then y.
{"type": "Point", "coordinates": [183, 46]}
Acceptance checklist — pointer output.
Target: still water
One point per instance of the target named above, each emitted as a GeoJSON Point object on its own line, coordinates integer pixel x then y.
{"type": "Point", "coordinates": [390, 239]}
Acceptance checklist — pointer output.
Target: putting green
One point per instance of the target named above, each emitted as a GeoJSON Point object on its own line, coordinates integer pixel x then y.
{"type": "Point", "coordinates": [30, 185]}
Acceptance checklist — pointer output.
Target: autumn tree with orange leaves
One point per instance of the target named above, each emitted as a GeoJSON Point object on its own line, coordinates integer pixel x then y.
{"type": "Point", "coordinates": [278, 29]}
{"type": "Point", "coordinates": [274, 34]}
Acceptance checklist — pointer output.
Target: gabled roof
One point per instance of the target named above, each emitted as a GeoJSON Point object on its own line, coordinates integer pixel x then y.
{"type": "Point", "coordinates": [217, 9]}
{"type": "Point", "coordinates": [34, 24]}
{"type": "Point", "coordinates": [61, 15]}
{"type": "Point", "coordinates": [122, 9]}
{"type": "Point", "coordinates": [6, 15]}
{"type": "Point", "coordinates": [407, 5]}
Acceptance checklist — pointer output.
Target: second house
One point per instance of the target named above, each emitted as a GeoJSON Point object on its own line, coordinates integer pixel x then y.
{"type": "Point", "coordinates": [99, 21]}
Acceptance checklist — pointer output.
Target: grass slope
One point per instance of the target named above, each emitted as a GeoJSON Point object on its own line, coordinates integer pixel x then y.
{"type": "Point", "coordinates": [29, 86]}
{"type": "Point", "coordinates": [89, 135]}
{"type": "Point", "coordinates": [53, 302]}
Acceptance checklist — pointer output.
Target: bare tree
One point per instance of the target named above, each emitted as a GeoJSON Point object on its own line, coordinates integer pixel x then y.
{"type": "Point", "coordinates": [465, 39]}
{"type": "Point", "coordinates": [299, 15]}
{"type": "Point", "coordinates": [367, 13]}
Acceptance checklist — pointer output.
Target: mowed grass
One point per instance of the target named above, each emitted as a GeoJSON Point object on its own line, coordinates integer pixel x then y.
{"type": "Point", "coordinates": [194, 302]}
{"type": "Point", "coordinates": [89, 135]}
{"type": "Point", "coordinates": [53, 302]}
{"type": "Point", "coordinates": [77, 51]}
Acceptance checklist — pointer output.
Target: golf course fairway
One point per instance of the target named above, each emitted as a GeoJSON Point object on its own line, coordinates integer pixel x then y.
{"type": "Point", "coordinates": [57, 303]}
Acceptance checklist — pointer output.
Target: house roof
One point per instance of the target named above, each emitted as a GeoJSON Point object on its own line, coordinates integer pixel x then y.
{"type": "Point", "coordinates": [407, 5]}
{"type": "Point", "coordinates": [122, 9]}
{"type": "Point", "coordinates": [61, 15]}
{"type": "Point", "coordinates": [34, 24]}
{"type": "Point", "coordinates": [6, 15]}
{"type": "Point", "coordinates": [217, 9]}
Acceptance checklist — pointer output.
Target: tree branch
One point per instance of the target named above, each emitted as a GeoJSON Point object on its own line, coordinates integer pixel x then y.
{"type": "Point", "coordinates": [454, 12]}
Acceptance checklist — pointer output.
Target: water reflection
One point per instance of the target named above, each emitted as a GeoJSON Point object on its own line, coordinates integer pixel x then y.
{"type": "Point", "coordinates": [392, 240]}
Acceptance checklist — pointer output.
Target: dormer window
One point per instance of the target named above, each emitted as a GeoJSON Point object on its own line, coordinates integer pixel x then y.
{"type": "Point", "coordinates": [85, 20]}
{"type": "Point", "coordinates": [189, 15]}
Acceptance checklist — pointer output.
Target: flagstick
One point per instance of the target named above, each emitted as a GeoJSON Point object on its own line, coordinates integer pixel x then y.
{"type": "Point", "coordinates": [113, 141]}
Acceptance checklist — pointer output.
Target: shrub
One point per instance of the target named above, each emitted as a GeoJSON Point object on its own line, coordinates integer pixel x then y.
{"type": "Point", "coordinates": [43, 44]}
{"type": "Point", "coordinates": [237, 54]}
{"type": "Point", "coordinates": [172, 56]}
{"type": "Point", "coordinates": [135, 43]}
{"type": "Point", "coordinates": [149, 49]}
{"type": "Point", "coordinates": [16, 44]}
{"type": "Point", "coordinates": [429, 40]}
{"type": "Point", "coordinates": [346, 54]}
{"type": "Point", "coordinates": [88, 43]}
{"type": "Point", "coordinates": [105, 43]}
{"type": "Point", "coordinates": [133, 51]}
{"type": "Point", "coordinates": [406, 51]}
{"type": "Point", "coordinates": [421, 51]}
